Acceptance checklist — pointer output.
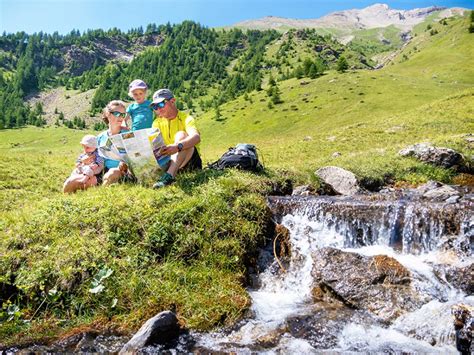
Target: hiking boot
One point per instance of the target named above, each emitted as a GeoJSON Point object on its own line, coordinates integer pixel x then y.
{"type": "Point", "coordinates": [165, 180]}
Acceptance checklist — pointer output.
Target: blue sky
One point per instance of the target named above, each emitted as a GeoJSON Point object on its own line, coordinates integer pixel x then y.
{"type": "Point", "coordinates": [65, 15]}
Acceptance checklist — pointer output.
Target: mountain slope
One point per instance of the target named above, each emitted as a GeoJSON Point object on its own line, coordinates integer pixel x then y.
{"type": "Point", "coordinates": [374, 16]}
{"type": "Point", "coordinates": [364, 115]}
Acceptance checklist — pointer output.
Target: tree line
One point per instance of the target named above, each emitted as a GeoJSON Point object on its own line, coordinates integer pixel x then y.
{"type": "Point", "coordinates": [191, 60]}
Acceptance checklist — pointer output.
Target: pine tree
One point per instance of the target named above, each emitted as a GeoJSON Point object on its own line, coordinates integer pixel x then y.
{"type": "Point", "coordinates": [38, 109]}
{"type": "Point", "coordinates": [299, 72]}
{"type": "Point", "coordinates": [471, 26]}
{"type": "Point", "coordinates": [217, 113]}
{"type": "Point", "coordinates": [342, 64]}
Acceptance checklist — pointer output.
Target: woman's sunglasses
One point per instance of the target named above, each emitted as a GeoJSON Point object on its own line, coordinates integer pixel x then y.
{"type": "Point", "coordinates": [159, 105]}
{"type": "Point", "coordinates": [119, 114]}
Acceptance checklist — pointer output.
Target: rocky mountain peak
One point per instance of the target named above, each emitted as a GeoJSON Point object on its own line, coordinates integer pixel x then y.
{"type": "Point", "coordinates": [374, 16]}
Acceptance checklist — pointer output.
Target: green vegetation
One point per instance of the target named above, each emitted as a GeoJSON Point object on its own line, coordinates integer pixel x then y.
{"type": "Point", "coordinates": [376, 40]}
{"type": "Point", "coordinates": [121, 254]}
{"type": "Point", "coordinates": [197, 63]}
{"type": "Point", "coordinates": [367, 116]}
{"type": "Point", "coordinates": [471, 25]}
{"type": "Point", "coordinates": [342, 64]}
{"type": "Point", "coordinates": [111, 257]}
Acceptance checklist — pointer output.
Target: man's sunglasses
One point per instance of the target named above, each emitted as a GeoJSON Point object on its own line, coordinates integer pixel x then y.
{"type": "Point", "coordinates": [119, 114]}
{"type": "Point", "coordinates": [159, 105]}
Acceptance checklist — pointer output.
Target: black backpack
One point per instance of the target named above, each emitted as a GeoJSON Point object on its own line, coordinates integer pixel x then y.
{"type": "Point", "coordinates": [243, 156]}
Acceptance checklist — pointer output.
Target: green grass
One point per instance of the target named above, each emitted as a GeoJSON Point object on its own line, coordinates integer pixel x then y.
{"type": "Point", "coordinates": [367, 116]}
{"type": "Point", "coordinates": [188, 247]}
{"type": "Point", "coordinates": [184, 248]}
{"type": "Point", "coordinates": [369, 41]}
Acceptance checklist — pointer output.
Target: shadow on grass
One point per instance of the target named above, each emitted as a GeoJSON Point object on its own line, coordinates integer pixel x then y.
{"type": "Point", "coordinates": [276, 183]}
{"type": "Point", "coordinates": [191, 180]}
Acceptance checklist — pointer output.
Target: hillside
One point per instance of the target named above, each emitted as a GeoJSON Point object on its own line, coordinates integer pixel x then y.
{"type": "Point", "coordinates": [371, 30]}
{"type": "Point", "coordinates": [203, 67]}
{"type": "Point", "coordinates": [106, 259]}
{"type": "Point", "coordinates": [71, 103]}
{"type": "Point", "coordinates": [347, 113]}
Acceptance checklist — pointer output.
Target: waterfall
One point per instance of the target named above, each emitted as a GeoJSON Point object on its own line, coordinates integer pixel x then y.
{"type": "Point", "coordinates": [411, 232]}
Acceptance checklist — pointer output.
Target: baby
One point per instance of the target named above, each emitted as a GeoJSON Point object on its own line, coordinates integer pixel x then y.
{"type": "Point", "coordinates": [88, 165]}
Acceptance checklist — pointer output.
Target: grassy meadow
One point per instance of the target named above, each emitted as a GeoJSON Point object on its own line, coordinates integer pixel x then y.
{"type": "Point", "coordinates": [367, 116]}
{"type": "Point", "coordinates": [108, 258]}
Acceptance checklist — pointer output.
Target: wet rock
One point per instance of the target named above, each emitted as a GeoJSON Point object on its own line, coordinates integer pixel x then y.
{"type": "Point", "coordinates": [89, 342]}
{"type": "Point", "coordinates": [343, 182]}
{"type": "Point", "coordinates": [430, 185]}
{"type": "Point", "coordinates": [439, 156]}
{"type": "Point", "coordinates": [412, 224]}
{"type": "Point", "coordinates": [378, 284]}
{"type": "Point", "coordinates": [270, 339]}
{"type": "Point", "coordinates": [304, 190]}
{"type": "Point", "coordinates": [69, 342]}
{"type": "Point", "coordinates": [283, 236]}
{"type": "Point", "coordinates": [432, 324]}
{"type": "Point", "coordinates": [86, 344]}
{"type": "Point", "coordinates": [453, 199]}
{"type": "Point", "coordinates": [438, 192]}
{"type": "Point", "coordinates": [161, 328]}
{"type": "Point", "coordinates": [458, 245]}
{"type": "Point", "coordinates": [322, 328]}
{"type": "Point", "coordinates": [461, 278]}
{"type": "Point", "coordinates": [464, 327]}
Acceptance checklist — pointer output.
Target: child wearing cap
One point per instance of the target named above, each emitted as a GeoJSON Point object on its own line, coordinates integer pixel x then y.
{"type": "Point", "coordinates": [139, 111]}
{"type": "Point", "coordinates": [88, 165]}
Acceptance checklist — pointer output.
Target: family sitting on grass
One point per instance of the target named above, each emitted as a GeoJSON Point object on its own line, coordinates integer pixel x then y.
{"type": "Point", "coordinates": [178, 129]}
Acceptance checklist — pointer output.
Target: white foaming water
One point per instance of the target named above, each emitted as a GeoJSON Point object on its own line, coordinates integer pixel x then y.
{"type": "Point", "coordinates": [281, 296]}
{"type": "Point", "coordinates": [421, 267]}
{"type": "Point", "coordinates": [426, 330]}
{"type": "Point", "coordinates": [432, 322]}
{"type": "Point", "coordinates": [357, 337]}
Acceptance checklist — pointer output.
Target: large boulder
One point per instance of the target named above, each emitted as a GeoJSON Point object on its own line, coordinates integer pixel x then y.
{"type": "Point", "coordinates": [343, 182]}
{"type": "Point", "coordinates": [439, 156]}
{"type": "Point", "coordinates": [378, 284]}
{"type": "Point", "coordinates": [160, 329]}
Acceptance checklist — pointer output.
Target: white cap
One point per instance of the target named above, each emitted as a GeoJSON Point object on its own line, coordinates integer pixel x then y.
{"type": "Point", "coordinates": [137, 84]}
{"type": "Point", "coordinates": [89, 140]}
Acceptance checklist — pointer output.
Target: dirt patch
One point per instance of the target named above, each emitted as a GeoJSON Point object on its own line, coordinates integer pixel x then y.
{"type": "Point", "coordinates": [72, 103]}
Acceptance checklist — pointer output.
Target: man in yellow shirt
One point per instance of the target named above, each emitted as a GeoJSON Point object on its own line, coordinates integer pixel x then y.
{"type": "Point", "coordinates": [180, 134]}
